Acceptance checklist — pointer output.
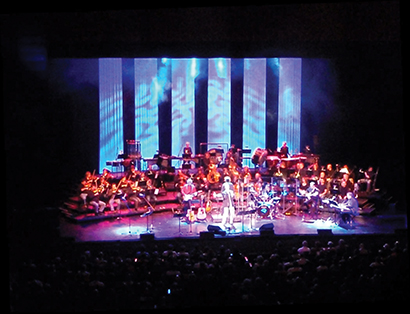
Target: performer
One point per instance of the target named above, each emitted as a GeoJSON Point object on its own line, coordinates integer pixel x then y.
{"type": "Point", "coordinates": [323, 188]}
{"type": "Point", "coordinates": [113, 194]}
{"type": "Point", "coordinates": [312, 195]}
{"type": "Point", "coordinates": [284, 150]}
{"type": "Point", "coordinates": [88, 185]}
{"type": "Point", "coordinates": [246, 176]}
{"type": "Point", "coordinates": [188, 192]}
{"type": "Point", "coordinates": [234, 153]}
{"type": "Point", "coordinates": [187, 151]}
{"type": "Point", "coordinates": [369, 176]}
{"type": "Point", "coordinates": [201, 182]}
{"type": "Point", "coordinates": [227, 191]}
{"type": "Point", "coordinates": [349, 208]}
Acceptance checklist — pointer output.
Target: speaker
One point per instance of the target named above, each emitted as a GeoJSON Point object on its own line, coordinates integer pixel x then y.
{"type": "Point", "coordinates": [266, 230]}
{"type": "Point", "coordinates": [206, 235]}
{"type": "Point", "coordinates": [216, 230]}
{"type": "Point", "coordinates": [147, 236]}
{"type": "Point", "coordinates": [324, 232]}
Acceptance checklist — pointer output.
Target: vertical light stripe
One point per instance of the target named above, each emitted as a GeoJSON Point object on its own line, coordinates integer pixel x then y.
{"type": "Point", "coordinates": [254, 103]}
{"type": "Point", "coordinates": [290, 70]}
{"type": "Point", "coordinates": [184, 72]}
{"type": "Point", "coordinates": [146, 106]}
{"type": "Point", "coordinates": [219, 100]}
{"type": "Point", "coordinates": [111, 109]}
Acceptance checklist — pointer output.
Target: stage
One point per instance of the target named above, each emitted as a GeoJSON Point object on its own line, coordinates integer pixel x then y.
{"type": "Point", "coordinates": [165, 224]}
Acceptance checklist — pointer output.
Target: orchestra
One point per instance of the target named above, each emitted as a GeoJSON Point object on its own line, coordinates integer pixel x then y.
{"type": "Point", "coordinates": [280, 183]}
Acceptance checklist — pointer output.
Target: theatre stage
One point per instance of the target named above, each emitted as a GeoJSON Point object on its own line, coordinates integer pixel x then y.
{"type": "Point", "coordinates": [164, 224]}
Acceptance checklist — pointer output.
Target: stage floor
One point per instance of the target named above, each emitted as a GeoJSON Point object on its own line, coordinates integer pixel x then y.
{"type": "Point", "coordinates": [164, 225]}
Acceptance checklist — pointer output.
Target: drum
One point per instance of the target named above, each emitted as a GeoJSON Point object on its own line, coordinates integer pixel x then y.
{"type": "Point", "coordinates": [263, 210]}
{"type": "Point", "coordinates": [272, 161]}
{"type": "Point", "coordinates": [215, 155]}
{"type": "Point", "coordinates": [259, 156]}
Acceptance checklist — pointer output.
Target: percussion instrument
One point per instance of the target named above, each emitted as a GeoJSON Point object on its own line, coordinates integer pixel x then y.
{"type": "Point", "coordinates": [272, 161]}
{"type": "Point", "coordinates": [264, 210]}
{"type": "Point", "coordinates": [259, 156]}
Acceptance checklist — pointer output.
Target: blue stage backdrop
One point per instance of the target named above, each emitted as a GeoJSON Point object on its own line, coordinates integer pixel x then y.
{"type": "Point", "coordinates": [165, 102]}
{"type": "Point", "coordinates": [111, 109]}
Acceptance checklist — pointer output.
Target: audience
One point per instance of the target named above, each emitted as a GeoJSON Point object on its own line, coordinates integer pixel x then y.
{"type": "Point", "coordinates": [139, 275]}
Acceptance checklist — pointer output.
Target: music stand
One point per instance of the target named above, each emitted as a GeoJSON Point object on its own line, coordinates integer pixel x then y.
{"type": "Point", "coordinates": [246, 212]}
{"type": "Point", "coordinates": [149, 212]}
{"type": "Point", "coordinates": [146, 214]}
{"type": "Point", "coordinates": [179, 215]}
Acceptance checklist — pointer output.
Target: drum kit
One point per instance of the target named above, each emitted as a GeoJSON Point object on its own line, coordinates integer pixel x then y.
{"type": "Point", "coordinates": [276, 200]}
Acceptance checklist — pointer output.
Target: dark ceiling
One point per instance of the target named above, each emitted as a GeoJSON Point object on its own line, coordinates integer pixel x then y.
{"type": "Point", "coordinates": [306, 29]}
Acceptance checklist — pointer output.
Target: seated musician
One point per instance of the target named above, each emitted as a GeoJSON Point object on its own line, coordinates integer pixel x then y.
{"type": "Point", "coordinates": [147, 188]}
{"type": "Point", "coordinates": [107, 176]}
{"type": "Point", "coordinates": [369, 176]}
{"type": "Point", "coordinates": [258, 184]}
{"type": "Point", "coordinates": [330, 172]}
{"type": "Point", "coordinates": [98, 200]}
{"type": "Point", "coordinates": [267, 192]}
{"type": "Point", "coordinates": [323, 188]}
{"type": "Point", "coordinates": [345, 187]}
{"type": "Point", "coordinates": [234, 153]}
{"type": "Point", "coordinates": [312, 198]}
{"type": "Point", "coordinates": [91, 192]}
{"type": "Point", "coordinates": [300, 170]}
{"type": "Point", "coordinates": [133, 174]}
{"type": "Point", "coordinates": [113, 195]}
{"type": "Point", "coordinates": [132, 191]}
{"type": "Point", "coordinates": [188, 192]}
{"type": "Point", "coordinates": [246, 176]}
{"type": "Point", "coordinates": [349, 208]}
{"type": "Point", "coordinates": [88, 185]}
{"type": "Point", "coordinates": [200, 180]}
{"type": "Point", "coordinates": [303, 186]}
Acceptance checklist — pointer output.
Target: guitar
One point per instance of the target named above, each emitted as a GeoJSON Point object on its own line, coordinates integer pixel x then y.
{"type": "Point", "coordinates": [201, 213]}
{"type": "Point", "coordinates": [189, 197]}
{"type": "Point", "coordinates": [191, 215]}
{"type": "Point", "coordinates": [208, 206]}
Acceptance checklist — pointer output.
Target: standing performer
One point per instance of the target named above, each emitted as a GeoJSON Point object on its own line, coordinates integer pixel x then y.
{"type": "Point", "coordinates": [187, 151]}
{"type": "Point", "coordinates": [227, 191]}
{"type": "Point", "coordinates": [188, 192]}
{"type": "Point", "coordinates": [284, 150]}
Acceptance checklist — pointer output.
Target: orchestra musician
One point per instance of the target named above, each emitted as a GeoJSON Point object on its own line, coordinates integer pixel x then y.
{"type": "Point", "coordinates": [113, 195]}
{"type": "Point", "coordinates": [323, 188]}
{"type": "Point", "coordinates": [369, 176]}
{"type": "Point", "coordinates": [246, 176]}
{"type": "Point", "coordinates": [88, 185]}
{"type": "Point", "coordinates": [200, 180]}
{"type": "Point", "coordinates": [187, 153]}
{"type": "Point", "coordinates": [349, 208]}
{"type": "Point", "coordinates": [312, 201]}
{"type": "Point", "coordinates": [330, 173]}
{"type": "Point", "coordinates": [227, 191]}
{"type": "Point", "coordinates": [284, 150]}
{"type": "Point", "coordinates": [233, 153]}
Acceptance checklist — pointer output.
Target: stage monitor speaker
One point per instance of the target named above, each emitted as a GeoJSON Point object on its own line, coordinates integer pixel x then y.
{"type": "Point", "coordinates": [266, 230]}
{"type": "Point", "coordinates": [147, 237]}
{"type": "Point", "coordinates": [206, 235]}
{"type": "Point", "coordinates": [216, 230]}
{"type": "Point", "coordinates": [324, 232]}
